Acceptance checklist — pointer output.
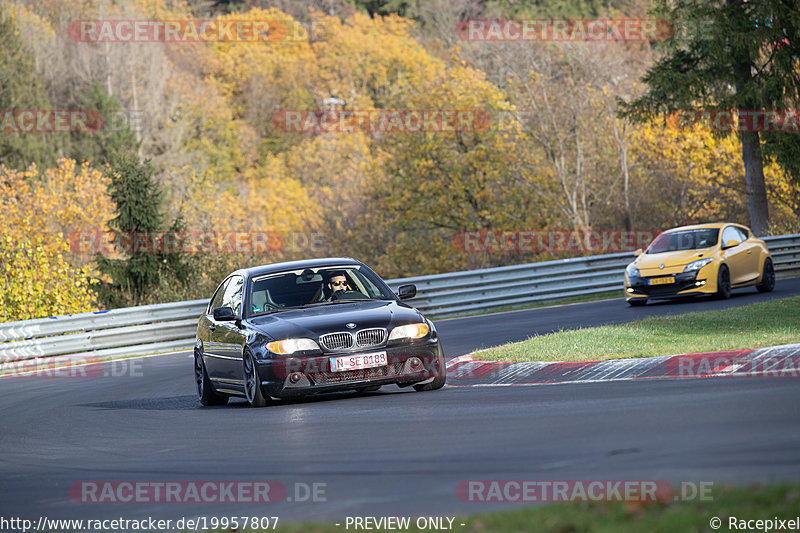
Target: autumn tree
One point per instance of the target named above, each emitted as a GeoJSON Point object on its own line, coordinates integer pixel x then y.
{"type": "Point", "coordinates": [442, 182]}
{"type": "Point", "coordinates": [42, 213]}
{"type": "Point", "coordinates": [37, 280]}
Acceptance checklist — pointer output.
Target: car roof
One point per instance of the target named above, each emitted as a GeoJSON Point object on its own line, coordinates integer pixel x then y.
{"type": "Point", "coordinates": [712, 225]}
{"type": "Point", "coordinates": [294, 265]}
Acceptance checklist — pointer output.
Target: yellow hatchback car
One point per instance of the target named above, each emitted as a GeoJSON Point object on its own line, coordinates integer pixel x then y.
{"type": "Point", "coordinates": [701, 259]}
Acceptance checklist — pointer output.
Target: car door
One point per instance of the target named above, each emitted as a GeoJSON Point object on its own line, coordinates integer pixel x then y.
{"type": "Point", "coordinates": [752, 257]}
{"type": "Point", "coordinates": [230, 335]}
{"type": "Point", "coordinates": [738, 258]}
{"type": "Point", "coordinates": [213, 349]}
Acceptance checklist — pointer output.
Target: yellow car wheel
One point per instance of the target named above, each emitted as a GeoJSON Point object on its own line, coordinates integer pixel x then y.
{"type": "Point", "coordinates": [723, 283]}
{"type": "Point", "coordinates": [767, 277]}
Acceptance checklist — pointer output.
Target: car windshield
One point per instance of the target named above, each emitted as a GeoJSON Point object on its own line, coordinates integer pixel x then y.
{"type": "Point", "coordinates": [292, 289]}
{"type": "Point", "coordinates": [684, 240]}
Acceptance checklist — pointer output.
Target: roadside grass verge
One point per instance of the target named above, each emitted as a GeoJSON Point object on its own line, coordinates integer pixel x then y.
{"type": "Point", "coordinates": [752, 326]}
{"type": "Point", "coordinates": [769, 502]}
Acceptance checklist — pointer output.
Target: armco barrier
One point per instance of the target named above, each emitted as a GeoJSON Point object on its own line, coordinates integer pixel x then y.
{"type": "Point", "coordinates": [170, 327]}
{"type": "Point", "coordinates": [105, 334]}
{"type": "Point", "coordinates": [477, 291]}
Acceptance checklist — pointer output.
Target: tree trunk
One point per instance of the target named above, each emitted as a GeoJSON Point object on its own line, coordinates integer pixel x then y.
{"type": "Point", "coordinates": [751, 142]}
{"type": "Point", "coordinates": [754, 178]}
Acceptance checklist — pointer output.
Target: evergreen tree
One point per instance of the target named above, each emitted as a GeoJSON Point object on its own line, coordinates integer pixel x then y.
{"type": "Point", "coordinates": [731, 55]}
{"type": "Point", "coordinates": [114, 135]}
{"type": "Point", "coordinates": [138, 199]}
{"type": "Point", "coordinates": [21, 89]}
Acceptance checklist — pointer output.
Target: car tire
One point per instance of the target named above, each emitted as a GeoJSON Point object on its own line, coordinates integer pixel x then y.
{"type": "Point", "coordinates": [252, 382]}
{"type": "Point", "coordinates": [767, 277]}
{"type": "Point", "coordinates": [437, 383]}
{"type": "Point", "coordinates": [723, 283]}
{"type": "Point", "coordinates": [205, 390]}
{"type": "Point", "coordinates": [637, 302]}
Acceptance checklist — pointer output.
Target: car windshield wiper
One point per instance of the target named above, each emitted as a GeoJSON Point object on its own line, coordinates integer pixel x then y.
{"type": "Point", "coordinates": [276, 309]}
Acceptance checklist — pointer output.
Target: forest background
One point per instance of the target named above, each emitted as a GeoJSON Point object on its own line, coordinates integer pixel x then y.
{"type": "Point", "coordinates": [192, 142]}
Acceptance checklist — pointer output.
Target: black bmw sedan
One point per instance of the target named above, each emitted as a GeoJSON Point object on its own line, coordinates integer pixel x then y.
{"type": "Point", "coordinates": [291, 329]}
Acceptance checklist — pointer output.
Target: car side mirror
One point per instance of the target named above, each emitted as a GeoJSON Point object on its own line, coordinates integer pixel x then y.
{"type": "Point", "coordinates": [730, 244]}
{"type": "Point", "coordinates": [222, 314]}
{"type": "Point", "coordinates": [638, 252]}
{"type": "Point", "coordinates": [407, 291]}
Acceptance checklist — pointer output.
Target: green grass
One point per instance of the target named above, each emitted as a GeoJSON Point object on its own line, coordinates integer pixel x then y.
{"type": "Point", "coordinates": [747, 503]}
{"type": "Point", "coordinates": [752, 326]}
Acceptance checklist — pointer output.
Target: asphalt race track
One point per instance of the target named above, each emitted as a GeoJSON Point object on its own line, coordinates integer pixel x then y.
{"type": "Point", "coordinates": [394, 452]}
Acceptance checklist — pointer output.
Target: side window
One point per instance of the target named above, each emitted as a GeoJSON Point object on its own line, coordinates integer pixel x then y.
{"type": "Point", "coordinates": [233, 294]}
{"type": "Point", "coordinates": [742, 234]}
{"type": "Point", "coordinates": [731, 233]}
{"type": "Point", "coordinates": [216, 301]}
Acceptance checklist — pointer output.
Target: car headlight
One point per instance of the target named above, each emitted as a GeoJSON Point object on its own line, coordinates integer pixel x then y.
{"type": "Point", "coordinates": [697, 265]}
{"type": "Point", "coordinates": [289, 346]}
{"type": "Point", "coordinates": [632, 271]}
{"type": "Point", "coordinates": [410, 331]}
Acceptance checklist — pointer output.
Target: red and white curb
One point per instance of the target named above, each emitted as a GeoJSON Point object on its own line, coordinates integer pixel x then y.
{"type": "Point", "coordinates": [775, 361]}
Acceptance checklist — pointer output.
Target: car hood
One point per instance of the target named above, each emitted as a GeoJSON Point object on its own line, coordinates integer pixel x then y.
{"type": "Point", "coordinates": [676, 259]}
{"type": "Point", "coordinates": [314, 321]}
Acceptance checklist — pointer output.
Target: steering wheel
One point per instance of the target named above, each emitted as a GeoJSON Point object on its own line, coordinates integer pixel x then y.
{"type": "Point", "coordinates": [348, 295]}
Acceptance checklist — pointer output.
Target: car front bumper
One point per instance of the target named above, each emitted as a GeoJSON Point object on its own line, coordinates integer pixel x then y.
{"type": "Point", "coordinates": [685, 284]}
{"type": "Point", "coordinates": [407, 364]}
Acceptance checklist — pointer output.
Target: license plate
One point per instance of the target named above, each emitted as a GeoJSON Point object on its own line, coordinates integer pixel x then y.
{"type": "Point", "coordinates": [358, 362]}
{"type": "Point", "coordinates": [662, 281]}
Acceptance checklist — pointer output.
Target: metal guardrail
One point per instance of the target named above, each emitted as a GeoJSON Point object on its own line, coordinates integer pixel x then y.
{"type": "Point", "coordinates": [476, 291]}
{"type": "Point", "coordinates": [171, 327]}
{"type": "Point", "coordinates": [100, 335]}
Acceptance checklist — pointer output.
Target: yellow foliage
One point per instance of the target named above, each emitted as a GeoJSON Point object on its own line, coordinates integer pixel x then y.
{"type": "Point", "coordinates": [64, 199]}
{"type": "Point", "coordinates": [37, 281]}
{"type": "Point", "coordinates": [38, 211]}
{"type": "Point", "coordinates": [265, 199]}
{"type": "Point", "coordinates": [699, 176]}
{"type": "Point", "coordinates": [370, 62]}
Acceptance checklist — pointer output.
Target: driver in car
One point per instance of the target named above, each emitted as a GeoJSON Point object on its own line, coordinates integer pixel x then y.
{"type": "Point", "coordinates": [336, 282]}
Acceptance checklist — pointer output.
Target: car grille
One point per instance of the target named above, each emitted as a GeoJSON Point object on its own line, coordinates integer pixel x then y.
{"type": "Point", "coordinates": [336, 341]}
{"type": "Point", "coordinates": [326, 378]}
{"type": "Point", "coordinates": [371, 337]}
{"type": "Point", "coordinates": [344, 340]}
